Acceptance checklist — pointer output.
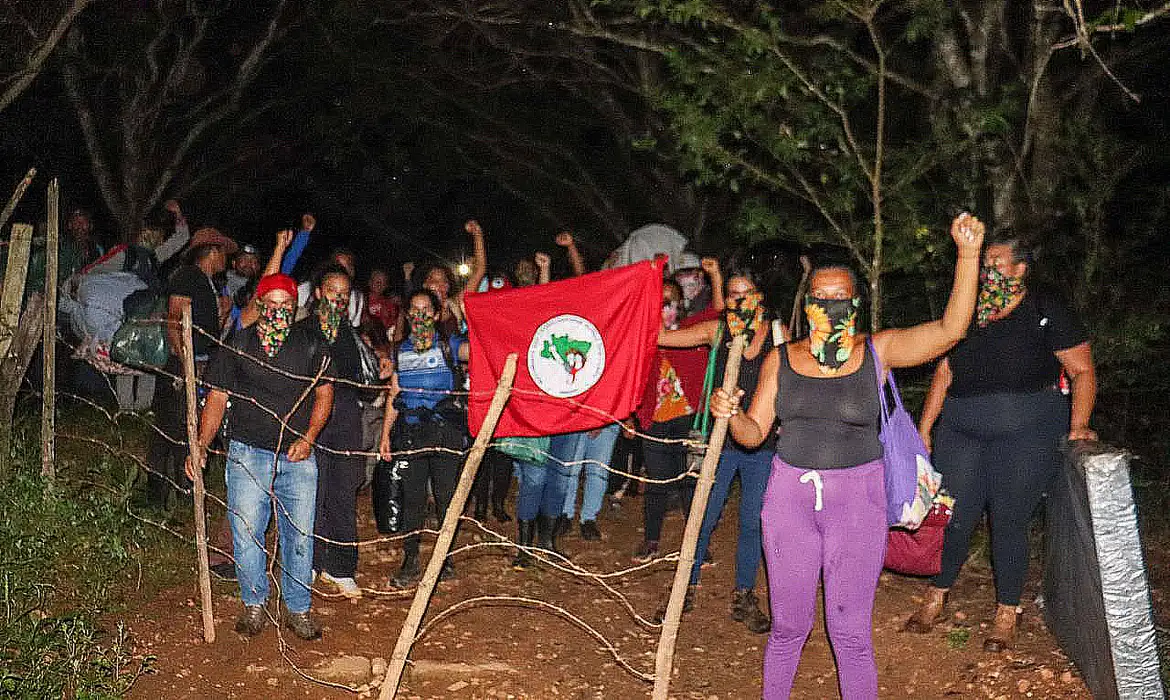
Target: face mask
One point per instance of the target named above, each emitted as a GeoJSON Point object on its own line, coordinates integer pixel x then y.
{"type": "Point", "coordinates": [670, 315]}
{"type": "Point", "coordinates": [744, 315]}
{"type": "Point", "coordinates": [422, 330]}
{"type": "Point", "coordinates": [329, 314]}
{"type": "Point", "coordinates": [832, 328]}
{"type": "Point", "coordinates": [691, 283]}
{"type": "Point", "coordinates": [273, 326]}
{"type": "Point", "coordinates": [997, 291]}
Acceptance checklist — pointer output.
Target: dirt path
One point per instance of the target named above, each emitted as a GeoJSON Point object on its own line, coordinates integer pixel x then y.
{"type": "Point", "coordinates": [510, 651]}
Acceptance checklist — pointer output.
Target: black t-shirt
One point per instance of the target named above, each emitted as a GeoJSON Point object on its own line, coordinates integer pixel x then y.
{"type": "Point", "coordinates": [749, 371]}
{"type": "Point", "coordinates": [301, 354]}
{"type": "Point", "coordinates": [1016, 354]}
{"type": "Point", "coordinates": [189, 281]}
{"type": "Point", "coordinates": [344, 429]}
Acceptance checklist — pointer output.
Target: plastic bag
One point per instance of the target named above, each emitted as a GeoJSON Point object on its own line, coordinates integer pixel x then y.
{"type": "Point", "coordinates": [142, 341]}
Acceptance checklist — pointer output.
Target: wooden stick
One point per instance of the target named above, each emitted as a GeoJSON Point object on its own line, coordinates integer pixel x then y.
{"type": "Point", "coordinates": [15, 276]}
{"type": "Point", "coordinates": [197, 468]}
{"type": "Point", "coordinates": [426, 586]}
{"type": "Point", "coordinates": [16, 195]}
{"type": "Point", "coordinates": [664, 660]}
{"type": "Point", "coordinates": [49, 343]}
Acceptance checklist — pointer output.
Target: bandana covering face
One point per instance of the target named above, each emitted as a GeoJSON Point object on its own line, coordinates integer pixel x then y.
{"type": "Point", "coordinates": [997, 291]}
{"type": "Point", "coordinates": [329, 314]}
{"type": "Point", "coordinates": [832, 329]}
{"type": "Point", "coordinates": [744, 315]}
{"type": "Point", "coordinates": [273, 326]}
{"type": "Point", "coordinates": [670, 315]}
{"type": "Point", "coordinates": [422, 330]}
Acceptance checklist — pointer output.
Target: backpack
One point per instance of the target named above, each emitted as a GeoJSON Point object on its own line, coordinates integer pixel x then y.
{"type": "Point", "coordinates": [142, 263]}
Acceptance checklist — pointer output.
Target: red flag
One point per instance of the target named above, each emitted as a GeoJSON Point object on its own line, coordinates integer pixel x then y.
{"type": "Point", "coordinates": [584, 345]}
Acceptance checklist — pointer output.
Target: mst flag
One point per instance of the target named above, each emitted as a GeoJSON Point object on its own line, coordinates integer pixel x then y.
{"type": "Point", "coordinates": [584, 345]}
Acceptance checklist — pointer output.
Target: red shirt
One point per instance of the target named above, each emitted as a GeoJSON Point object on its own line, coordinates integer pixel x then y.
{"type": "Point", "coordinates": [383, 308]}
{"type": "Point", "coordinates": [690, 364]}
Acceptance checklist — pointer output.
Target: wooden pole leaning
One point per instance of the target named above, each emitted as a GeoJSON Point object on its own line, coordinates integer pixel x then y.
{"type": "Point", "coordinates": [664, 660]}
{"type": "Point", "coordinates": [49, 341]}
{"type": "Point", "coordinates": [200, 493]}
{"type": "Point", "coordinates": [426, 586]}
{"type": "Point", "coordinates": [9, 208]}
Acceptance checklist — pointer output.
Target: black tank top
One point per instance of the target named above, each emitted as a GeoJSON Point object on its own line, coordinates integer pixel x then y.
{"type": "Point", "coordinates": [749, 371]}
{"type": "Point", "coordinates": [829, 423]}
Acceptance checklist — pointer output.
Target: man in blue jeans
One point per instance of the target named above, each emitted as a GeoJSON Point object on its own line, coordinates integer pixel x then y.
{"type": "Point", "coordinates": [589, 451]}
{"type": "Point", "coordinates": [277, 412]}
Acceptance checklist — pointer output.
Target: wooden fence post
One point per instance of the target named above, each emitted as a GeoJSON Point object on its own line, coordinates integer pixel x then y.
{"type": "Point", "coordinates": [11, 300]}
{"type": "Point", "coordinates": [426, 586]}
{"type": "Point", "coordinates": [16, 195]}
{"type": "Point", "coordinates": [196, 455]}
{"type": "Point", "coordinates": [664, 660]}
{"type": "Point", "coordinates": [49, 342]}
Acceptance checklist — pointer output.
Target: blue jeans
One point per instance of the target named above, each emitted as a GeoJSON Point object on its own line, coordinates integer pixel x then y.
{"type": "Point", "coordinates": [753, 469]}
{"type": "Point", "coordinates": [540, 489]}
{"type": "Point", "coordinates": [253, 476]}
{"type": "Point", "coordinates": [594, 454]}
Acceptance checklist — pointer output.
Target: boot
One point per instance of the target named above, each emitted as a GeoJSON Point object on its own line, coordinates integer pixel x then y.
{"type": "Point", "coordinates": [408, 572]}
{"type": "Point", "coordinates": [302, 624]}
{"type": "Point", "coordinates": [561, 526]}
{"type": "Point", "coordinates": [745, 608]}
{"type": "Point", "coordinates": [930, 613]}
{"type": "Point", "coordinates": [546, 532]}
{"type": "Point", "coordinates": [688, 604]}
{"type": "Point", "coordinates": [523, 559]}
{"type": "Point", "coordinates": [1003, 632]}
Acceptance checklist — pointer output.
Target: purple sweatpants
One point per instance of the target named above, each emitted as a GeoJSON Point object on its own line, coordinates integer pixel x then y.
{"type": "Point", "coordinates": [830, 522]}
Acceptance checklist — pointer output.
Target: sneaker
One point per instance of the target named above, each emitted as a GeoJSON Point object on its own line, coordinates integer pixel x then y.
{"type": "Point", "coordinates": [345, 585]}
{"type": "Point", "coordinates": [590, 531]}
{"type": "Point", "coordinates": [225, 571]}
{"type": "Point", "coordinates": [302, 625]}
{"type": "Point", "coordinates": [408, 574]}
{"type": "Point", "coordinates": [688, 604]}
{"type": "Point", "coordinates": [648, 551]}
{"type": "Point", "coordinates": [745, 608]}
{"type": "Point", "coordinates": [251, 620]}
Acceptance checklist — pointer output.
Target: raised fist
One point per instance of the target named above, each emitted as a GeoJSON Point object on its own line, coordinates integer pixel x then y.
{"type": "Point", "coordinates": [472, 227]}
{"type": "Point", "coordinates": [542, 260]}
{"type": "Point", "coordinates": [710, 266]}
{"type": "Point", "coordinates": [284, 238]}
{"type": "Point", "coordinates": [565, 239]}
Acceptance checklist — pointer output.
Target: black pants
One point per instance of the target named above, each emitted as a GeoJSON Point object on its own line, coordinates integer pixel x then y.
{"type": "Point", "coordinates": [493, 481]}
{"type": "Point", "coordinates": [338, 479]}
{"type": "Point", "coordinates": [664, 461]}
{"type": "Point", "coordinates": [166, 458]}
{"type": "Point", "coordinates": [997, 452]}
{"type": "Point", "coordinates": [627, 456]}
{"type": "Point", "coordinates": [440, 468]}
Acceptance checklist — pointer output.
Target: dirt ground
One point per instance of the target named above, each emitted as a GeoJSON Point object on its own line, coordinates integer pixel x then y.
{"type": "Point", "coordinates": [520, 650]}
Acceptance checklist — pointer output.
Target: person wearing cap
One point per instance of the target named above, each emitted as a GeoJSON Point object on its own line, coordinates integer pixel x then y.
{"type": "Point", "coordinates": [278, 410]}
{"type": "Point", "coordinates": [245, 268]}
{"type": "Point", "coordinates": [191, 287]}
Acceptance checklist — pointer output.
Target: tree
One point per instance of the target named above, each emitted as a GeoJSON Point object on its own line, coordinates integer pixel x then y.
{"type": "Point", "coordinates": [30, 32]}
{"type": "Point", "coordinates": [150, 87]}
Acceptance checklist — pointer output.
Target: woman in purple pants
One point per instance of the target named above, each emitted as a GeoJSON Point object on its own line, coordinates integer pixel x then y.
{"type": "Point", "coordinates": [824, 510]}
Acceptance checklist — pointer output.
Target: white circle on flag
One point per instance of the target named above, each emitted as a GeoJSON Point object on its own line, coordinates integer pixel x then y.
{"type": "Point", "coordinates": [566, 356]}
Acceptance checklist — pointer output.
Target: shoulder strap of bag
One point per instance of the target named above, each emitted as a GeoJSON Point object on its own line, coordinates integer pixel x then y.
{"type": "Point", "coordinates": [702, 422]}
{"type": "Point", "coordinates": [877, 364]}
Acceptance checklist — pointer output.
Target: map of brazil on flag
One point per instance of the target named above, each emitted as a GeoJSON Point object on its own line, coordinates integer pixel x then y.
{"type": "Point", "coordinates": [584, 349]}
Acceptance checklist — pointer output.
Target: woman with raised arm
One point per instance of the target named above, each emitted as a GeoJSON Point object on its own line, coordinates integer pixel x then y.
{"type": "Point", "coordinates": [1003, 421]}
{"type": "Point", "coordinates": [824, 510]}
{"type": "Point", "coordinates": [744, 315]}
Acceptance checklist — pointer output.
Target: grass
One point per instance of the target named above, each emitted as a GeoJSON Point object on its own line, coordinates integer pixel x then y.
{"type": "Point", "coordinates": [71, 553]}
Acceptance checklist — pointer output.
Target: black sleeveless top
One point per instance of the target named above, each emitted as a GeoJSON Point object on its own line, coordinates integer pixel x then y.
{"type": "Point", "coordinates": [829, 423]}
{"type": "Point", "coordinates": [749, 372]}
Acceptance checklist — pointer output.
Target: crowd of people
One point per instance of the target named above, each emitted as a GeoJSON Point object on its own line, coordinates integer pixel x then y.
{"type": "Point", "coordinates": [288, 366]}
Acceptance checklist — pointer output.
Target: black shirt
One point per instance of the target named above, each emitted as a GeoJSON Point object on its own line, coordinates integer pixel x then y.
{"type": "Point", "coordinates": [830, 422]}
{"type": "Point", "coordinates": [1016, 353]}
{"type": "Point", "coordinates": [344, 429]}
{"type": "Point", "coordinates": [301, 354]}
{"type": "Point", "coordinates": [189, 281]}
{"type": "Point", "coordinates": [749, 372]}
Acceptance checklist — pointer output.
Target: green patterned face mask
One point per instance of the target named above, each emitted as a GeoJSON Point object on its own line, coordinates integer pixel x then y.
{"type": "Point", "coordinates": [832, 327]}
{"type": "Point", "coordinates": [997, 291]}
{"type": "Point", "coordinates": [329, 314]}
{"type": "Point", "coordinates": [273, 326]}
